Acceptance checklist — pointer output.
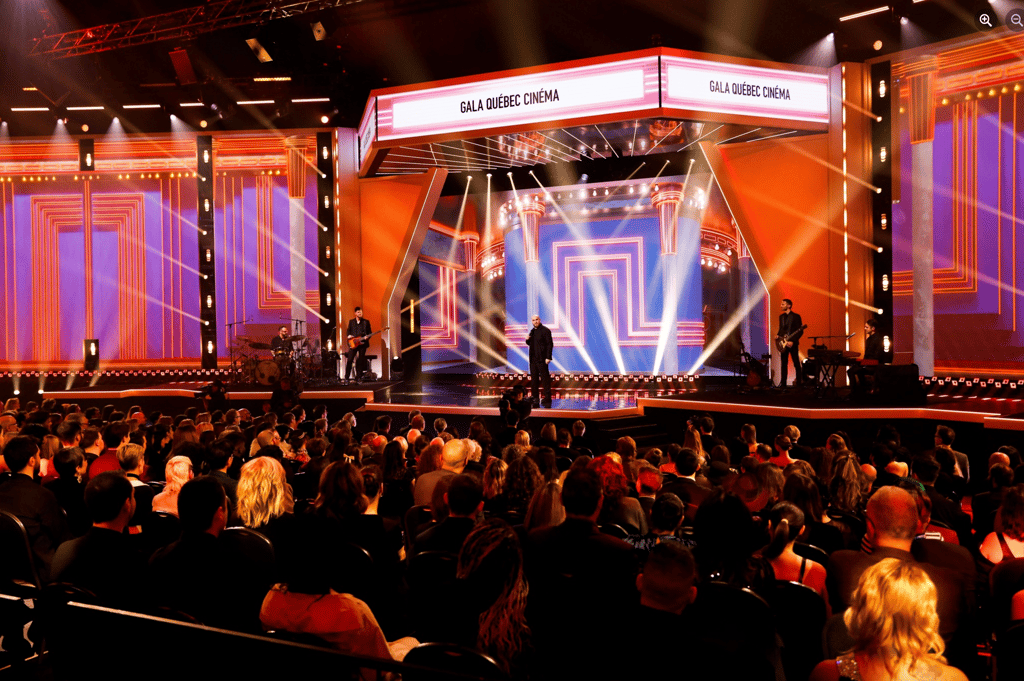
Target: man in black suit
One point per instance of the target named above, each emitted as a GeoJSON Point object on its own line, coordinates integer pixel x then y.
{"type": "Point", "coordinates": [103, 561]}
{"type": "Point", "coordinates": [465, 499]}
{"type": "Point", "coordinates": [541, 346]}
{"type": "Point", "coordinates": [581, 582]}
{"type": "Point", "coordinates": [789, 327]}
{"type": "Point", "coordinates": [358, 328]}
{"type": "Point", "coordinates": [37, 508]}
{"type": "Point", "coordinates": [925, 470]}
{"type": "Point", "coordinates": [685, 486]}
{"type": "Point", "coordinates": [874, 354]}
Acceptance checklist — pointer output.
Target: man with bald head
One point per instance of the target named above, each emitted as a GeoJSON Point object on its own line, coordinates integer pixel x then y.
{"type": "Point", "coordinates": [892, 523]}
{"type": "Point", "coordinates": [454, 457]}
{"type": "Point", "coordinates": [541, 346]}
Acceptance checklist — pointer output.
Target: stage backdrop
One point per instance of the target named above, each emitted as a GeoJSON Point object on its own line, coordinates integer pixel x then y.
{"type": "Point", "coordinates": [977, 153]}
{"type": "Point", "coordinates": [628, 277]}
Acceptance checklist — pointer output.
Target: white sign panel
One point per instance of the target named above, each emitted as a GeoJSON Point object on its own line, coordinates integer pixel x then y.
{"type": "Point", "coordinates": [720, 87]}
{"type": "Point", "coordinates": [599, 89]}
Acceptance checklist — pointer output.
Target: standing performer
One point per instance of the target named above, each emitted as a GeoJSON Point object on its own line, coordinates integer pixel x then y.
{"type": "Point", "coordinates": [541, 345]}
{"type": "Point", "coordinates": [358, 329]}
{"type": "Point", "coordinates": [788, 337]}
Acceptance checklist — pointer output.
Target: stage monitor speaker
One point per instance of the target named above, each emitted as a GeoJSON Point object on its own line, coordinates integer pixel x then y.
{"type": "Point", "coordinates": [367, 376]}
{"type": "Point", "coordinates": [899, 384]}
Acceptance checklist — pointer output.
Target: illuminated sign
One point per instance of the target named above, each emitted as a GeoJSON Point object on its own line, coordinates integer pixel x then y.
{"type": "Point", "coordinates": [736, 89]}
{"type": "Point", "coordinates": [599, 89]}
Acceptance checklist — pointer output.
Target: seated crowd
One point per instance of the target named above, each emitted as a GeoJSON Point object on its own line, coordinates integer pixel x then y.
{"type": "Point", "coordinates": [538, 548]}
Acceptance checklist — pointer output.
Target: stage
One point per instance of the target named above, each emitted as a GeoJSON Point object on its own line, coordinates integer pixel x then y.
{"type": "Point", "coordinates": [590, 397]}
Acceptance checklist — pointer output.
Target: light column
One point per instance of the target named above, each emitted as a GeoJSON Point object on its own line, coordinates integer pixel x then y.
{"type": "Point", "coordinates": [920, 77]}
{"type": "Point", "coordinates": [531, 209]}
{"type": "Point", "coordinates": [296, 150]}
{"type": "Point", "coordinates": [666, 199]}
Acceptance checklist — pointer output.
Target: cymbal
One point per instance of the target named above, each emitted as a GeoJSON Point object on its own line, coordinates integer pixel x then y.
{"type": "Point", "coordinates": [259, 346]}
{"type": "Point", "coordinates": [292, 339]}
{"type": "Point", "coordinates": [244, 339]}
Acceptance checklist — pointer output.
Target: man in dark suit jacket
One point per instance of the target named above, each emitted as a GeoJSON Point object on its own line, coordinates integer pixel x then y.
{"type": "Point", "coordinates": [789, 326]}
{"type": "Point", "coordinates": [541, 346]}
{"type": "Point", "coordinates": [892, 523]}
{"type": "Point", "coordinates": [103, 561]}
{"type": "Point", "coordinates": [685, 486]}
{"type": "Point", "coordinates": [465, 499]}
{"type": "Point", "coordinates": [37, 508]}
{"type": "Point", "coordinates": [581, 582]}
{"type": "Point", "coordinates": [926, 471]}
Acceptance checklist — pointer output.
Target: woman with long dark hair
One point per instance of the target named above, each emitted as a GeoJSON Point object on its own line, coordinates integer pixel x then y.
{"type": "Point", "coordinates": [493, 590]}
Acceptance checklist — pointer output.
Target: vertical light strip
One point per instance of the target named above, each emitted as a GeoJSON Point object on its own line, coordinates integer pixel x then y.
{"type": "Point", "coordinates": [846, 222]}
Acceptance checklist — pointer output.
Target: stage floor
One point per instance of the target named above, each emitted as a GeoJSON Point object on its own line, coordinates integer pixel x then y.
{"type": "Point", "coordinates": [460, 394]}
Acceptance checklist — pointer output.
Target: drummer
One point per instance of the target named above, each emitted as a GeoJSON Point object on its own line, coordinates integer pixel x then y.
{"type": "Point", "coordinates": [281, 344]}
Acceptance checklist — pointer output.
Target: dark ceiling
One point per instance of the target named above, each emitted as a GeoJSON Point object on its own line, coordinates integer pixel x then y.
{"type": "Point", "coordinates": [380, 43]}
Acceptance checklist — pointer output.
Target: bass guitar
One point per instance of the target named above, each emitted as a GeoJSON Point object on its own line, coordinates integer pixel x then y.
{"type": "Point", "coordinates": [353, 343]}
{"type": "Point", "coordinates": [781, 341]}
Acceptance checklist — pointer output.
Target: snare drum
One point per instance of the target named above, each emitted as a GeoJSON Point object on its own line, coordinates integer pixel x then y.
{"type": "Point", "coordinates": [267, 372]}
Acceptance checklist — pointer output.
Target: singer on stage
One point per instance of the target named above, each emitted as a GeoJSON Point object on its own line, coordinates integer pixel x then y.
{"type": "Point", "coordinates": [358, 329]}
{"type": "Point", "coordinates": [541, 346]}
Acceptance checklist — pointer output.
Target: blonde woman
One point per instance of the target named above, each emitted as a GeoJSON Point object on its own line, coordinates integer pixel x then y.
{"type": "Point", "coordinates": [178, 471]}
{"type": "Point", "coordinates": [895, 629]}
{"type": "Point", "coordinates": [522, 438]}
{"type": "Point", "coordinates": [263, 493]}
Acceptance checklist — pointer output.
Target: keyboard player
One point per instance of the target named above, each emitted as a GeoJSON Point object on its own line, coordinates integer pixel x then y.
{"type": "Point", "coordinates": [874, 354]}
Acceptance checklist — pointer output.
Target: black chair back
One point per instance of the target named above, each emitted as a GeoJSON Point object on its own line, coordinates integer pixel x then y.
{"type": "Point", "coordinates": [800, 619]}
{"type": "Point", "coordinates": [811, 552]}
{"type": "Point", "coordinates": [1010, 653]}
{"type": "Point", "coordinates": [160, 529]}
{"type": "Point", "coordinates": [1005, 579]}
{"type": "Point", "coordinates": [18, 574]}
{"type": "Point", "coordinates": [249, 544]}
{"type": "Point", "coordinates": [452, 658]}
{"type": "Point", "coordinates": [431, 583]}
{"type": "Point", "coordinates": [738, 621]}
{"type": "Point", "coordinates": [415, 517]}
{"type": "Point", "coordinates": [356, 574]}
{"type": "Point", "coordinates": [613, 530]}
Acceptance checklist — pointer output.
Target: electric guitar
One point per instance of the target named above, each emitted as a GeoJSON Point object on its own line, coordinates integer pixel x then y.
{"type": "Point", "coordinates": [353, 343]}
{"type": "Point", "coordinates": [781, 341]}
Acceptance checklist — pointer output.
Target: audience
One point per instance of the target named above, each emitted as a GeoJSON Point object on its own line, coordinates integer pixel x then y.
{"type": "Point", "coordinates": [536, 576]}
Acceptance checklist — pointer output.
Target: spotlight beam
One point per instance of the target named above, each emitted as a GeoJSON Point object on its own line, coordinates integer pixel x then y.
{"type": "Point", "coordinates": [737, 136]}
{"type": "Point", "coordinates": [610, 145]}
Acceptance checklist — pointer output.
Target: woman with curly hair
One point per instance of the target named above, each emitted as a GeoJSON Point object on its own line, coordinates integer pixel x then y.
{"type": "Point", "coordinates": [493, 590]}
{"type": "Point", "coordinates": [895, 629]}
{"type": "Point", "coordinates": [1007, 541]}
{"type": "Point", "coordinates": [617, 508]}
{"type": "Point", "coordinates": [494, 487]}
{"type": "Point", "coordinates": [521, 480]}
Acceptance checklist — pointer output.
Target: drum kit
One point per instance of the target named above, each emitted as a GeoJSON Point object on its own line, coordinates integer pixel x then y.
{"type": "Point", "coordinates": [299, 362]}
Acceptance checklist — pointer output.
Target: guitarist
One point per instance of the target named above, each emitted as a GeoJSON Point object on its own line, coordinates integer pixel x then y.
{"type": "Point", "coordinates": [358, 328]}
{"type": "Point", "coordinates": [789, 329]}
